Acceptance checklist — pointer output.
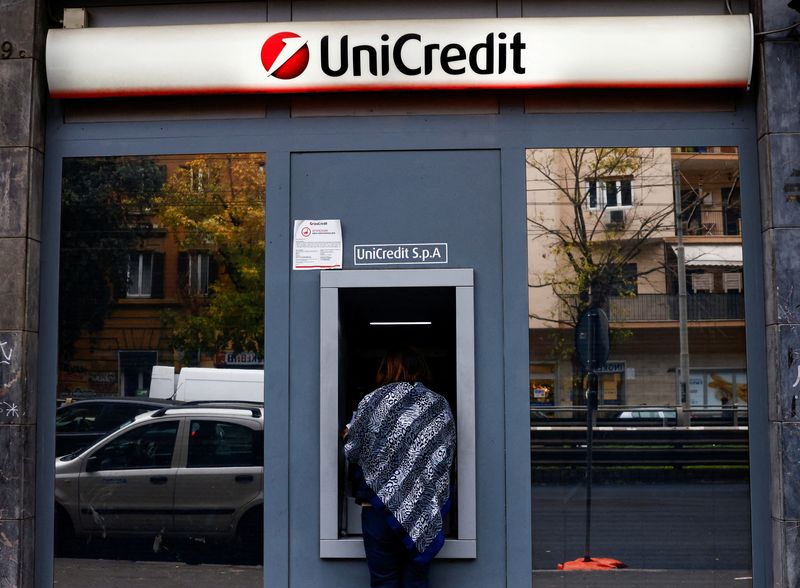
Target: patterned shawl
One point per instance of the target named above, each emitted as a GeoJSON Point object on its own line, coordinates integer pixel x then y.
{"type": "Point", "coordinates": [403, 437]}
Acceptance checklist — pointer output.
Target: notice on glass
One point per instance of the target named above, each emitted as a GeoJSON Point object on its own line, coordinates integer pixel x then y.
{"type": "Point", "coordinates": [317, 244]}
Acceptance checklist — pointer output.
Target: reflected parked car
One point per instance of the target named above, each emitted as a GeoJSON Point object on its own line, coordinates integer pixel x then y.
{"type": "Point", "coordinates": [85, 422]}
{"type": "Point", "coordinates": [650, 415]}
{"type": "Point", "coordinates": [187, 471]}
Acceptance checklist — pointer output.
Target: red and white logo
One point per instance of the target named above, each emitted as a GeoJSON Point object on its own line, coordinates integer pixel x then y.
{"type": "Point", "coordinates": [285, 55]}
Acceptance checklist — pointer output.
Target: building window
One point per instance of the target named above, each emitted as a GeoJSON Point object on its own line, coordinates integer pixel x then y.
{"type": "Point", "coordinates": [717, 388]}
{"type": "Point", "coordinates": [140, 274]}
{"type": "Point", "coordinates": [542, 384]}
{"type": "Point", "coordinates": [624, 281]}
{"type": "Point", "coordinates": [611, 383]}
{"type": "Point", "coordinates": [198, 273]}
{"type": "Point", "coordinates": [609, 193]}
{"type": "Point", "coordinates": [135, 368]}
{"type": "Point", "coordinates": [145, 275]}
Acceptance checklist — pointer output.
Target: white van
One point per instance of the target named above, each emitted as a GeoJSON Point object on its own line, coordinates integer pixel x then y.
{"type": "Point", "coordinates": [192, 384]}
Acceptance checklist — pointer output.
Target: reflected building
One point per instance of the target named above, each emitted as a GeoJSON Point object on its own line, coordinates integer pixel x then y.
{"type": "Point", "coordinates": [174, 256]}
{"type": "Point", "coordinates": [601, 231]}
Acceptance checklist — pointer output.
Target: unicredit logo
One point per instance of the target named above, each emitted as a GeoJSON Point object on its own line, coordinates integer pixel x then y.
{"type": "Point", "coordinates": [285, 55]}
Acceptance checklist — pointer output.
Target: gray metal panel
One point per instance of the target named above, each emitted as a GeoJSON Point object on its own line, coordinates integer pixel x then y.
{"type": "Point", "coordinates": [465, 370]}
{"type": "Point", "coordinates": [516, 372]}
{"type": "Point", "coordinates": [410, 278]}
{"type": "Point", "coordinates": [307, 10]}
{"type": "Point", "coordinates": [276, 373]}
{"type": "Point", "coordinates": [146, 109]}
{"type": "Point", "coordinates": [47, 376]}
{"type": "Point", "coordinates": [629, 7]}
{"type": "Point", "coordinates": [328, 410]}
{"type": "Point", "coordinates": [353, 548]}
{"type": "Point", "coordinates": [177, 14]}
{"type": "Point", "coordinates": [758, 404]}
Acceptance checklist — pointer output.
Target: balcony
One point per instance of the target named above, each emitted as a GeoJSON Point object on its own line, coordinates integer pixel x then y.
{"type": "Point", "coordinates": [664, 307]}
{"type": "Point", "coordinates": [713, 221]}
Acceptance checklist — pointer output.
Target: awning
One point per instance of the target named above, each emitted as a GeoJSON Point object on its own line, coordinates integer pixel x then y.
{"type": "Point", "coordinates": [712, 255]}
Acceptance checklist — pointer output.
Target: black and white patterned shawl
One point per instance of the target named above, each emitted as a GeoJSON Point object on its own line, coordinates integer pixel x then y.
{"type": "Point", "coordinates": [403, 437]}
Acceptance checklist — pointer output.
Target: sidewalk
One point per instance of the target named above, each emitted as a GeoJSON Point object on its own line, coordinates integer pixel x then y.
{"type": "Point", "coordinates": [642, 578]}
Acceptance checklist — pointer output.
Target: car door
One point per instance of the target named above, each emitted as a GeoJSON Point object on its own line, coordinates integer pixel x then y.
{"type": "Point", "coordinates": [223, 474]}
{"type": "Point", "coordinates": [127, 485]}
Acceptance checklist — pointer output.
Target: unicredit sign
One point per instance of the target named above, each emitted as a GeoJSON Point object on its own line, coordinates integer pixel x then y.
{"type": "Point", "coordinates": [696, 51]}
{"type": "Point", "coordinates": [453, 59]}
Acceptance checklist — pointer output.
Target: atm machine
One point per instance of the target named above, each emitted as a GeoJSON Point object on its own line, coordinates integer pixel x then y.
{"type": "Point", "coordinates": [364, 313]}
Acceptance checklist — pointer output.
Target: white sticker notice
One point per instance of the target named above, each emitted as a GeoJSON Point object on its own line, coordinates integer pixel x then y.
{"type": "Point", "coordinates": [317, 244]}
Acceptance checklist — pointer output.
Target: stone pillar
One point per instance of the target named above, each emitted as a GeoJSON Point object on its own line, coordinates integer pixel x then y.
{"type": "Point", "coordinates": [22, 87]}
{"type": "Point", "coordinates": [778, 67]}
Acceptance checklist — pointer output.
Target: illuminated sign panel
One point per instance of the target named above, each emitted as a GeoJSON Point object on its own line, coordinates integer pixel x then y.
{"type": "Point", "coordinates": [606, 52]}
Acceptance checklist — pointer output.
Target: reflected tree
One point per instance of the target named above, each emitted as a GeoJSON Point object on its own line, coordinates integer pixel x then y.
{"type": "Point", "coordinates": [593, 248]}
{"type": "Point", "coordinates": [103, 201]}
{"type": "Point", "coordinates": [215, 205]}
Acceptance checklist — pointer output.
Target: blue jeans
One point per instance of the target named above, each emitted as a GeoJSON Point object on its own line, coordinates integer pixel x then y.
{"type": "Point", "coordinates": [390, 563]}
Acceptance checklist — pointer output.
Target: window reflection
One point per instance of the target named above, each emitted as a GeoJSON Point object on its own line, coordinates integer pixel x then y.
{"type": "Point", "coordinates": [162, 268]}
{"type": "Point", "coordinates": [669, 450]}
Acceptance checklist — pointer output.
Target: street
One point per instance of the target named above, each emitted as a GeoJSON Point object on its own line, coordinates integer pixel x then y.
{"type": "Point", "coordinates": [672, 526]}
{"type": "Point", "coordinates": [104, 573]}
{"type": "Point", "coordinates": [669, 534]}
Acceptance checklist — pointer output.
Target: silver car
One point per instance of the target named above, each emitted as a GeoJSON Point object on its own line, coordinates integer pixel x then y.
{"type": "Point", "coordinates": [191, 471]}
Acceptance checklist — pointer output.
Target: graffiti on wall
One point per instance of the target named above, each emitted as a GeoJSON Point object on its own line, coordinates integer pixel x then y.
{"type": "Point", "coordinates": [8, 378]}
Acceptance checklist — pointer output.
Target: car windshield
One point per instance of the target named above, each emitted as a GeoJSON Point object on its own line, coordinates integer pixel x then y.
{"type": "Point", "coordinates": [80, 450]}
{"type": "Point", "coordinates": [76, 418]}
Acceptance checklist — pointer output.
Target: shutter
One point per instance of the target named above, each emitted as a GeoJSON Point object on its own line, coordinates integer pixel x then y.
{"type": "Point", "coordinates": [213, 269]}
{"type": "Point", "coordinates": [611, 194]}
{"type": "Point", "coordinates": [120, 283]}
{"type": "Point", "coordinates": [183, 272]}
{"type": "Point", "coordinates": [627, 197]}
{"type": "Point", "coordinates": [157, 285]}
{"type": "Point", "coordinates": [592, 194]}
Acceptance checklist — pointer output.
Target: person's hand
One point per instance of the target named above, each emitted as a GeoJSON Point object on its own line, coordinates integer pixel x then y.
{"type": "Point", "coordinates": [345, 431]}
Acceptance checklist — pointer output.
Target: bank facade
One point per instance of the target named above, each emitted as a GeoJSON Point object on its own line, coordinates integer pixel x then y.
{"type": "Point", "coordinates": [460, 202]}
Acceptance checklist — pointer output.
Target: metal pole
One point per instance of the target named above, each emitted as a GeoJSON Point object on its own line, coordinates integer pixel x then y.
{"type": "Point", "coordinates": [590, 402]}
{"type": "Point", "coordinates": [589, 405]}
{"type": "Point", "coordinates": [682, 300]}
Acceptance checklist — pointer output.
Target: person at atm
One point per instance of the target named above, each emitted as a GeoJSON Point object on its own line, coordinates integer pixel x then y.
{"type": "Point", "coordinates": [402, 439]}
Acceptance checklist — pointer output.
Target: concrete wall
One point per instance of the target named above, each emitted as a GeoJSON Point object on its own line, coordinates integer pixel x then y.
{"type": "Point", "coordinates": [779, 150]}
{"type": "Point", "coordinates": [21, 162]}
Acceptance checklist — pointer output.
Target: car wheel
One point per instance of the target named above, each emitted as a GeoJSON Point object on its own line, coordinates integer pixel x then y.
{"type": "Point", "coordinates": [64, 534]}
{"type": "Point", "coordinates": [250, 534]}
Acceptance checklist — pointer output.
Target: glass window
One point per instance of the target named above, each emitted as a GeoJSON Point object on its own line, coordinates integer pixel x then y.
{"type": "Point", "coordinates": [140, 274]}
{"type": "Point", "coordinates": [221, 444]}
{"type": "Point", "coordinates": [74, 419]}
{"type": "Point", "coordinates": [609, 194]}
{"type": "Point", "coordinates": [162, 270]}
{"type": "Point", "coordinates": [666, 413]}
{"type": "Point", "coordinates": [145, 447]}
{"type": "Point", "coordinates": [543, 383]}
{"type": "Point", "coordinates": [198, 273]}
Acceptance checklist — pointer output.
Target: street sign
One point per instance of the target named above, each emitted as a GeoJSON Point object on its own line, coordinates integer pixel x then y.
{"type": "Point", "coordinates": [591, 339]}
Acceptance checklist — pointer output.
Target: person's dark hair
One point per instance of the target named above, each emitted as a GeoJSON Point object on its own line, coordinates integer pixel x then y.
{"type": "Point", "coordinates": [402, 365]}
